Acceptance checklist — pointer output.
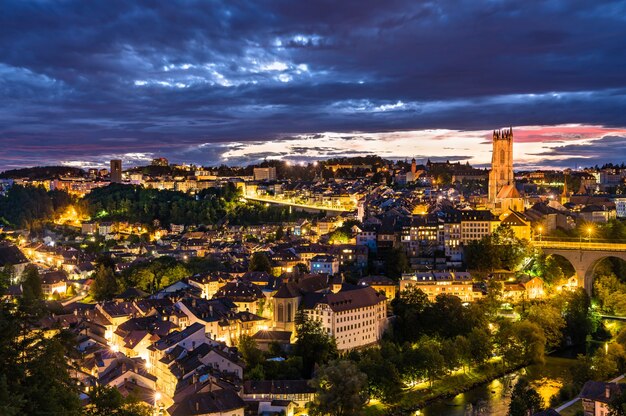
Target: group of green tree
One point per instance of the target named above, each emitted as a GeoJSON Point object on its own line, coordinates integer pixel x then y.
{"type": "Point", "coordinates": [500, 250]}
{"type": "Point", "coordinates": [30, 207]}
{"type": "Point", "coordinates": [608, 288]}
{"type": "Point", "coordinates": [150, 276]}
{"type": "Point", "coordinates": [144, 205]}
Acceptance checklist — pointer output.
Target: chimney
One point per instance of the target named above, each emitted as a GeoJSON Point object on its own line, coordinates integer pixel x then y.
{"type": "Point", "coordinates": [607, 391]}
{"type": "Point", "coordinates": [197, 406]}
{"type": "Point", "coordinates": [123, 368]}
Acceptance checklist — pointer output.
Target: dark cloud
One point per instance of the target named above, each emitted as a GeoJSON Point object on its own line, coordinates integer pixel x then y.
{"type": "Point", "coordinates": [609, 149]}
{"type": "Point", "coordinates": [87, 79]}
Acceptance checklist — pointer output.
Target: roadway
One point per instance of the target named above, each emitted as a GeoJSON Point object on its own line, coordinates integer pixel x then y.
{"type": "Point", "coordinates": [297, 205]}
{"type": "Point", "coordinates": [579, 245]}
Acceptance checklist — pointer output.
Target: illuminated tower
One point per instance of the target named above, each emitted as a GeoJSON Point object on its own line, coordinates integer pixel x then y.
{"type": "Point", "coordinates": [565, 194]}
{"type": "Point", "coordinates": [501, 173]}
{"type": "Point", "coordinates": [116, 171]}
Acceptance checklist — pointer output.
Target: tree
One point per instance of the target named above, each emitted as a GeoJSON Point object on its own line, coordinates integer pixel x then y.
{"type": "Point", "coordinates": [550, 320]}
{"type": "Point", "coordinates": [524, 399]}
{"type": "Point", "coordinates": [384, 381]}
{"type": "Point", "coordinates": [7, 275]}
{"type": "Point", "coordinates": [396, 263]}
{"type": "Point", "coordinates": [31, 284]}
{"type": "Point", "coordinates": [578, 321]}
{"type": "Point", "coordinates": [314, 345]}
{"type": "Point", "coordinates": [105, 285]}
{"type": "Point", "coordinates": [408, 307]}
{"type": "Point", "coordinates": [617, 406]}
{"type": "Point", "coordinates": [341, 390]}
{"type": "Point", "coordinates": [480, 345]}
{"type": "Point", "coordinates": [251, 354]}
{"type": "Point", "coordinates": [34, 370]}
{"type": "Point", "coordinates": [107, 401]}
{"type": "Point", "coordinates": [260, 263]}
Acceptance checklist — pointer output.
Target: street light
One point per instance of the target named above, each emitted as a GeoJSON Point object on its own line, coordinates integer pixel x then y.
{"type": "Point", "coordinates": [157, 397]}
{"type": "Point", "coordinates": [589, 229]}
{"type": "Point", "coordinates": [540, 228]}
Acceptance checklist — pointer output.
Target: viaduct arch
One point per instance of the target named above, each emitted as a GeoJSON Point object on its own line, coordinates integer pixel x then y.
{"type": "Point", "coordinates": [583, 256]}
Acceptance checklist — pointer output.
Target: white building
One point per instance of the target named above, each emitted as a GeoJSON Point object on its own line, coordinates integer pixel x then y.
{"type": "Point", "coordinates": [265, 174]}
{"type": "Point", "coordinates": [355, 318]}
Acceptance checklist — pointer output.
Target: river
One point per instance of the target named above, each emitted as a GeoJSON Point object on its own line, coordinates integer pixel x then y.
{"type": "Point", "coordinates": [492, 399]}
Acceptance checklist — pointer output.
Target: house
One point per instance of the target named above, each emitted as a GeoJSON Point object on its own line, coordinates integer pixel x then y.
{"type": "Point", "coordinates": [277, 407]}
{"type": "Point", "coordinates": [54, 282]}
{"type": "Point", "coordinates": [244, 294]}
{"type": "Point", "coordinates": [187, 339]}
{"type": "Point", "coordinates": [221, 318]}
{"type": "Point", "coordinates": [381, 284]}
{"type": "Point", "coordinates": [534, 288]}
{"type": "Point", "coordinates": [598, 213]}
{"type": "Point", "coordinates": [519, 224]}
{"type": "Point", "coordinates": [89, 228]}
{"type": "Point", "coordinates": [11, 255]}
{"type": "Point", "coordinates": [324, 264]}
{"type": "Point", "coordinates": [224, 360]}
{"type": "Point", "coordinates": [209, 283]}
{"type": "Point", "coordinates": [459, 284]}
{"type": "Point", "coordinates": [349, 254]}
{"type": "Point", "coordinates": [106, 228]}
{"type": "Point", "coordinates": [597, 395]}
{"type": "Point", "coordinates": [223, 402]}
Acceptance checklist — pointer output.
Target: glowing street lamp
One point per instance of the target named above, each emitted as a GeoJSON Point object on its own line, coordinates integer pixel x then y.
{"type": "Point", "coordinates": [589, 229]}
{"type": "Point", "coordinates": [157, 397]}
{"type": "Point", "coordinates": [540, 229]}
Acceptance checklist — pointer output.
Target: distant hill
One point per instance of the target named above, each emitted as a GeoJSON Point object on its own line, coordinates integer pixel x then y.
{"type": "Point", "coordinates": [42, 172]}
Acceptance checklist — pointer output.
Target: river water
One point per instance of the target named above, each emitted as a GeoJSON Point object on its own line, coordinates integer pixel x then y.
{"type": "Point", "coordinates": [492, 399]}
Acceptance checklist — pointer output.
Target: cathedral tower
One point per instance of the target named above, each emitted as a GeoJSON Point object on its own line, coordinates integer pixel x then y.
{"type": "Point", "coordinates": [501, 173]}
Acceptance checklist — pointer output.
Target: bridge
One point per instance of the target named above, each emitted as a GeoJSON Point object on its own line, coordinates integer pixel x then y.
{"type": "Point", "coordinates": [330, 209]}
{"type": "Point", "coordinates": [583, 255]}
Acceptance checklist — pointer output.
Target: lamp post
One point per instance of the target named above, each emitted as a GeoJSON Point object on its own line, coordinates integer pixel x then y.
{"type": "Point", "coordinates": [157, 397]}
{"type": "Point", "coordinates": [589, 233]}
{"type": "Point", "coordinates": [540, 228]}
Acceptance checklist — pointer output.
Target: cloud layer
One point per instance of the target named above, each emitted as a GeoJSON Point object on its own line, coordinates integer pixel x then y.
{"type": "Point", "coordinates": [204, 81]}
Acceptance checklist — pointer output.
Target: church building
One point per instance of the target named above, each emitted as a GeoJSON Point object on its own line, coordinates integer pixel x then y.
{"type": "Point", "coordinates": [503, 195]}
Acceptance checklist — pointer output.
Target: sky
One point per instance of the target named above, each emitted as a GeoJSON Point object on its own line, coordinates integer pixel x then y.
{"type": "Point", "coordinates": [235, 82]}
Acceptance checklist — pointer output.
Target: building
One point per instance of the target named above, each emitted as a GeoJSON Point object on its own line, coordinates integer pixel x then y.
{"type": "Point", "coordinates": [222, 402]}
{"type": "Point", "coordinates": [476, 224]}
{"type": "Point", "coordinates": [355, 317]}
{"type": "Point", "coordinates": [297, 391]}
{"type": "Point", "coordinates": [620, 207]}
{"type": "Point", "coordinates": [597, 395]}
{"type": "Point", "coordinates": [265, 174]}
{"type": "Point", "coordinates": [116, 171]}
{"type": "Point", "coordinates": [12, 256]}
{"type": "Point", "coordinates": [381, 284]}
{"type": "Point", "coordinates": [501, 173]}
{"type": "Point", "coordinates": [598, 213]}
{"type": "Point", "coordinates": [459, 284]}
{"type": "Point", "coordinates": [324, 264]}
{"type": "Point", "coordinates": [502, 192]}
{"type": "Point", "coordinates": [54, 282]}
{"type": "Point", "coordinates": [160, 161]}
{"type": "Point", "coordinates": [520, 225]}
